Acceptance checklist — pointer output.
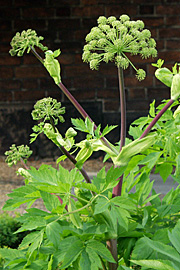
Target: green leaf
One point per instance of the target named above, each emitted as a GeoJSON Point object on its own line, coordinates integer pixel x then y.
{"type": "Point", "coordinates": [11, 254]}
{"type": "Point", "coordinates": [53, 231]}
{"type": "Point", "coordinates": [75, 217]}
{"type": "Point", "coordinates": [175, 87]}
{"type": "Point", "coordinates": [133, 148]}
{"type": "Point", "coordinates": [32, 223]}
{"type": "Point", "coordinates": [101, 205]}
{"type": "Point", "coordinates": [135, 132]}
{"type": "Point", "coordinates": [155, 264]}
{"type": "Point", "coordinates": [107, 129]}
{"type": "Point", "coordinates": [151, 159]}
{"type": "Point", "coordinates": [101, 250]}
{"type": "Point", "coordinates": [84, 262]}
{"type": "Point", "coordinates": [36, 243]}
{"type": "Point", "coordinates": [94, 258]}
{"type": "Point", "coordinates": [167, 251]}
{"type": "Point", "coordinates": [51, 202]}
{"type": "Point", "coordinates": [79, 124]}
{"type": "Point", "coordinates": [174, 236]}
{"type": "Point", "coordinates": [52, 65]}
{"type": "Point", "coordinates": [123, 202]}
{"type": "Point", "coordinates": [72, 253]}
{"type": "Point", "coordinates": [152, 109]}
{"type": "Point", "coordinates": [165, 169]}
{"type": "Point", "coordinates": [164, 75]}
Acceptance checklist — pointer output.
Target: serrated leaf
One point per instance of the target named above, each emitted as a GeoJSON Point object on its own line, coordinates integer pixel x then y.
{"type": "Point", "coordinates": [51, 202]}
{"type": "Point", "coordinates": [79, 124]}
{"type": "Point", "coordinates": [101, 250]}
{"type": "Point", "coordinates": [32, 223]}
{"type": "Point", "coordinates": [174, 236]}
{"type": "Point", "coordinates": [53, 231]}
{"type": "Point", "coordinates": [75, 217]}
{"type": "Point", "coordinates": [84, 262]}
{"type": "Point", "coordinates": [151, 159]}
{"type": "Point", "coordinates": [101, 205]}
{"type": "Point", "coordinates": [155, 264]}
{"type": "Point", "coordinates": [72, 253]}
{"type": "Point", "coordinates": [107, 129]}
{"type": "Point", "coordinates": [11, 254]}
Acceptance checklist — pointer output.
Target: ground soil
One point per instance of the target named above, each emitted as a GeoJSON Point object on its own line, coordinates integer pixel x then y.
{"type": "Point", "coordinates": [9, 180]}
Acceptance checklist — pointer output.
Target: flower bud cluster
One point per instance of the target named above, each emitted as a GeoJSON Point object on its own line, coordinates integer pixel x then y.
{"type": "Point", "coordinates": [112, 39]}
{"type": "Point", "coordinates": [25, 40]}
{"type": "Point", "coordinates": [47, 109]}
{"type": "Point", "coordinates": [17, 153]}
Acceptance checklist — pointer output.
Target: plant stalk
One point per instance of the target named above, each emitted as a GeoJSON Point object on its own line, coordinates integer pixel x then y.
{"type": "Point", "coordinates": [156, 118]}
{"type": "Point", "coordinates": [73, 100]}
{"type": "Point", "coordinates": [117, 189]}
{"type": "Point", "coordinates": [112, 246]}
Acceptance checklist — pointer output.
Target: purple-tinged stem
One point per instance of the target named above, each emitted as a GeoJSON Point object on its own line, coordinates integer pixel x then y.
{"type": "Point", "coordinates": [117, 189]}
{"type": "Point", "coordinates": [123, 107]}
{"type": "Point", "coordinates": [156, 118]}
{"type": "Point", "coordinates": [73, 100]}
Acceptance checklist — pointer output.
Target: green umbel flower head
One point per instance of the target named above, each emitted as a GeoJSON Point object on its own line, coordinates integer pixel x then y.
{"type": "Point", "coordinates": [112, 39]}
{"type": "Point", "coordinates": [25, 40]}
{"type": "Point", "coordinates": [47, 109]}
{"type": "Point", "coordinates": [17, 153]}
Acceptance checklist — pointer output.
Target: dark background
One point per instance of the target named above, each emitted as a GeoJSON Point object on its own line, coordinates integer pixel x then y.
{"type": "Point", "coordinates": [64, 24]}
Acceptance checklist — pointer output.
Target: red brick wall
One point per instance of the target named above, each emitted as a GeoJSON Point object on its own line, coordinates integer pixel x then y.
{"type": "Point", "coordinates": [64, 24]}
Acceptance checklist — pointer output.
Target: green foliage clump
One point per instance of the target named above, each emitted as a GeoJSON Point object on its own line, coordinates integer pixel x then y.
{"type": "Point", "coordinates": [8, 227]}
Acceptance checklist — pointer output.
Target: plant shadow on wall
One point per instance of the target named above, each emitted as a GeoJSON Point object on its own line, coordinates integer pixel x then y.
{"type": "Point", "coordinates": [100, 223]}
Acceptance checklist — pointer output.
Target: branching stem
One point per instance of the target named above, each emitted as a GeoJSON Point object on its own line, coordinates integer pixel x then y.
{"type": "Point", "coordinates": [156, 118]}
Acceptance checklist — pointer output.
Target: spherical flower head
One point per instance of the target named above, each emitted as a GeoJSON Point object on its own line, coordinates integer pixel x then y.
{"type": "Point", "coordinates": [48, 109]}
{"type": "Point", "coordinates": [141, 74]}
{"type": "Point", "coordinates": [26, 40]}
{"type": "Point", "coordinates": [114, 38]}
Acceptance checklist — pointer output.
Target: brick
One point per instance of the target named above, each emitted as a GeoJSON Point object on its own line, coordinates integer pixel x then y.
{"type": "Point", "coordinates": [29, 84]}
{"type": "Point", "coordinates": [111, 105]}
{"type": "Point", "coordinates": [7, 60]}
{"type": "Point", "coordinates": [133, 82]}
{"type": "Point", "coordinates": [146, 9]}
{"type": "Point", "coordinates": [64, 24]}
{"type": "Point", "coordinates": [5, 96]}
{"type": "Point", "coordinates": [6, 36]}
{"type": "Point", "coordinates": [172, 45]}
{"type": "Point", "coordinates": [30, 72]}
{"type": "Point", "coordinates": [6, 72]}
{"type": "Point", "coordinates": [63, 12]}
{"type": "Point", "coordinates": [71, 46]}
{"type": "Point", "coordinates": [66, 59]}
{"type": "Point", "coordinates": [80, 34]}
{"type": "Point", "coordinates": [153, 21]}
{"type": "Point", "coordinates": [88, 82]}
{"type": "Point", "coordinates": [38, 12]}
{"type": "Point", "coordinates": [172, 20]}
{"type": "Point", "coordinates": [28, 95]}
{"type": "Point", "coordinates": [5, 48]}
{"type": "Point", "coordinates": [139, 105]}
{"type": "Point", "coordinates": [136, 93]}
{"type": "Point", "coordinates": [6, 3]}
{"type": "Point", "coordinates": [58, 3]}
{"type": "Point", "coordinates": [89, 2]}
{"type": "Point", "coordinates": [88, 11]}
{"type": "Point", "coordinates": [57, 94]}
{"type": "Point", "coordinates": [168, 9]}
{"type": "Point", "coordinates": [5, 25]}
{"type": "Point", "coordinates": [48, 83]}
{"type": "Point", "coordinates": [83, 94]}
{"type": "Point", "coordinates": [88, 23]}
{"type": "Point", "coordinates": [171, 56]}
{"type": "Point", "coordinates": [158, 93]}
{"type": "Point", "coordinates": [169, 33]}
{"type": "Point", "coordinates": [25, 3]}
{"type": "Point", "coordinates": [78, 70]}
{"type": "Point", "coordinates": [9, 13]}
{"type": "Point", "coordinates": [29, 59]}
{"type": "Point", "coordinates": [22, 24]}
{"type": "Point", "coordinates": [10, 85]}
{"type": "Point", "coordinates": [117, 10]}
{"type": "Point", "coordinates": [108, 93]}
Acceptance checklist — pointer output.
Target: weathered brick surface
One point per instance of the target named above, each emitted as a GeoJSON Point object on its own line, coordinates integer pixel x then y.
{"type": "Point", "coordinates": [65, 24]}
